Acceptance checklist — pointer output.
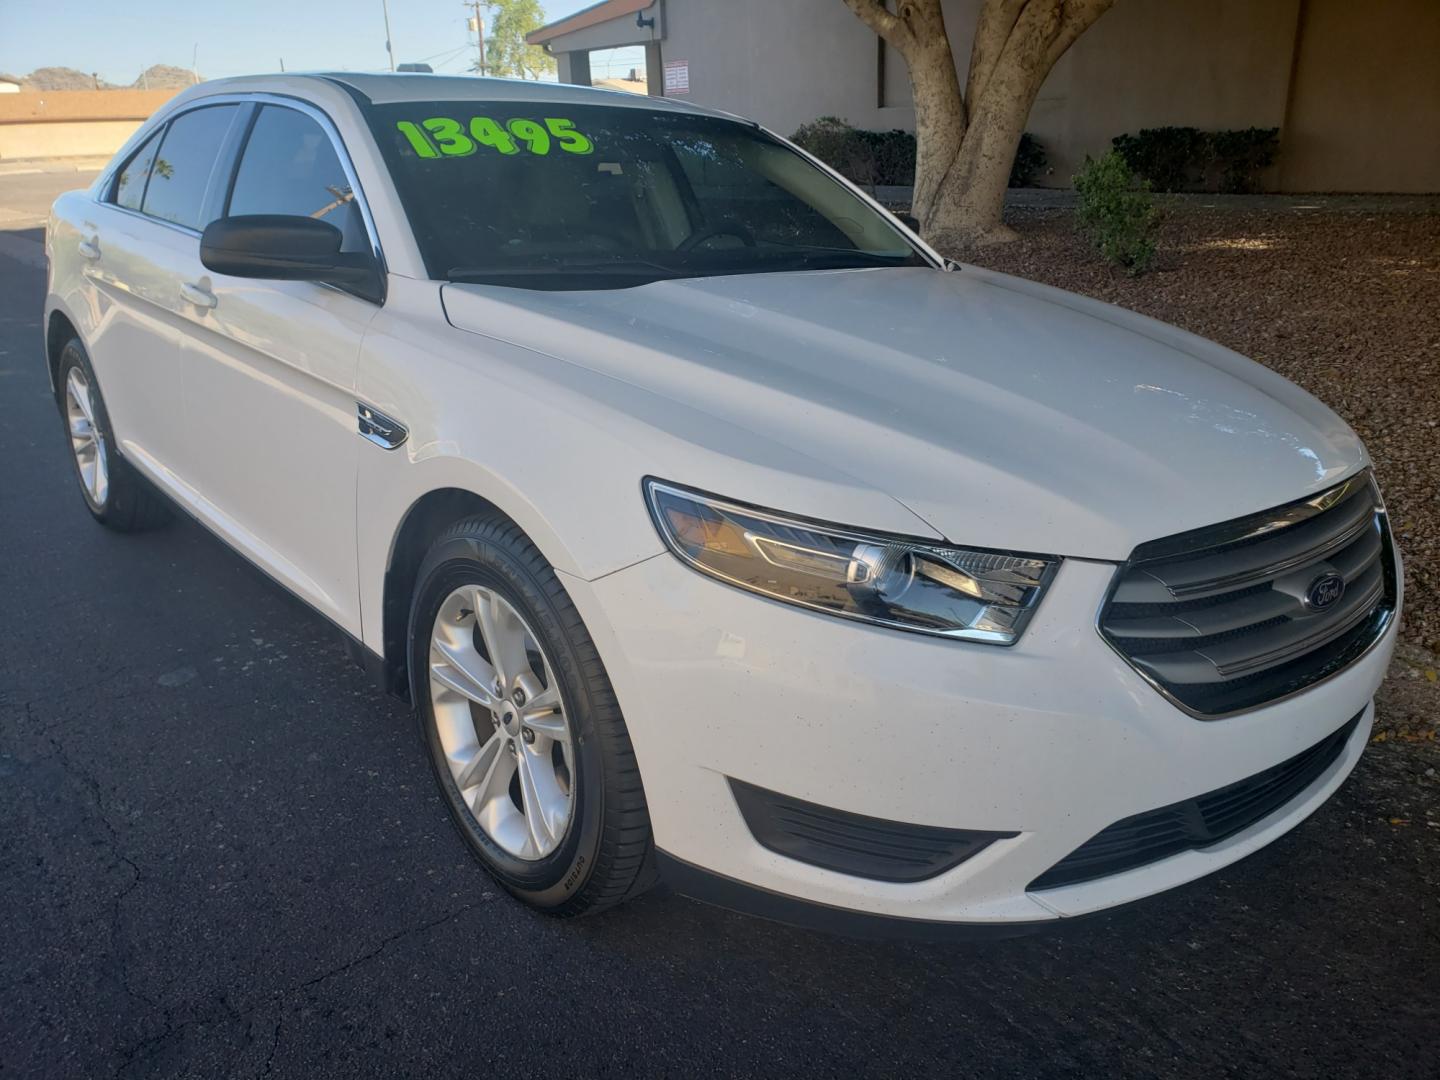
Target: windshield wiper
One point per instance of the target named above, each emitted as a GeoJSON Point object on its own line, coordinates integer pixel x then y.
{"type": "Point", "coordinates": [567, 267]}
{"type": "Point", "coordinates": [823, 254]}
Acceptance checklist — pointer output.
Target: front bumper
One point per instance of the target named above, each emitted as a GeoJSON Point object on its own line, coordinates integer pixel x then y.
{"type": "Point", "coordinates": [1053, 739]}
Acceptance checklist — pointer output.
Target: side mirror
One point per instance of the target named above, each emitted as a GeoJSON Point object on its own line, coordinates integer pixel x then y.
{"type": "Point", "coordinates": [284, 247]}
{"type": "Point", "coordinates": [910, 221]}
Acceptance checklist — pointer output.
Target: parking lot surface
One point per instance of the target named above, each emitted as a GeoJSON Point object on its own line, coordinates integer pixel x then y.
{"type": "Point", "coordinates": [221, 855]}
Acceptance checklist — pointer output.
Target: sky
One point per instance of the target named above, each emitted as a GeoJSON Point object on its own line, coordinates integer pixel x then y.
{"type": "Point", "coordinates": [118, 40]}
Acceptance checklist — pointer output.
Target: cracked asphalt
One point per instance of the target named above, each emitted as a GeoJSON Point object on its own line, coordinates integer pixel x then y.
{"type": "Point", "coordinates": [221, 856]}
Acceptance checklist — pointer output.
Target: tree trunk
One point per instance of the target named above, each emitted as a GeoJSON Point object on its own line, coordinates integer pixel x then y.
{"type": "Point", "coordinates": [966, 142]}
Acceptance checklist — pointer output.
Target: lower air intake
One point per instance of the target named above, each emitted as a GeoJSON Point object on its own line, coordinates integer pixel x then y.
{"type": "Point", "coordinates": [1199, 822]}
{"type": "Point", "coordinates": [851, 844]}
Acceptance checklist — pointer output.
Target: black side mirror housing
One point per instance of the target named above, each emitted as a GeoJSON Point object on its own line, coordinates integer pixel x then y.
{"type": "Point", "coordinates": [282, 247]}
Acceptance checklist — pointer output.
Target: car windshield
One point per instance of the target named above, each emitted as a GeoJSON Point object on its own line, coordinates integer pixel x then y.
{"type": "Point", "coordinates": [545, 195]}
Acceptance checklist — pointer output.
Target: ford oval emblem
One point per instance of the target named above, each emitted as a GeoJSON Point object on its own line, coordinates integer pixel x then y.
{"type": "Point", "coordinates": [1324, 592]}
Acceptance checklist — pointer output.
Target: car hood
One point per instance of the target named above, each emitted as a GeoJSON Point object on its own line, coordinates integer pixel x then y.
{"type": "Point", "coordinates": [1004, 413]}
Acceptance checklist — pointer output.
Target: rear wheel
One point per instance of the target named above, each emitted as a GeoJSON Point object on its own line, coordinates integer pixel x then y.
{"type": "Point", "coordinates": [525, 735]}
{"type": "Point", "coordinates": [114, 493]}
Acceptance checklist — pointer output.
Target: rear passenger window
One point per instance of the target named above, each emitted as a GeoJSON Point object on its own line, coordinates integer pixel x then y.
{"type": "Point", "coordinates": [289, 166]}
{"type": "Point", "coordinates": [183, 167]}
{"type": "Point", "coordinates": [130, 184]}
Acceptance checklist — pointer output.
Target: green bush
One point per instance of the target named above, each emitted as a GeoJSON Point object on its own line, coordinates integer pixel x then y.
{"type": "Point", "coordinates": [1170, 158]}
{"type": "Point", "coordinates": [1240, 155]}
{"type": "Point", "coordinates": [1116, 212]}
{"type": "Point", "coordinates": [1030, 161]}
{"type": "Point", "coordinates": [888, 157]}
{"type": "Point", "coordinates": [866, 157]}
{"type": "Point", "coordinates": [1188, 159]}
{"type": "Point", "coordinates": [830, 139]}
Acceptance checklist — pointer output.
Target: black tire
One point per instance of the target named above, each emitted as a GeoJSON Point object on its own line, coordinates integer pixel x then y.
{"type": "Point", "coordinates": [607, 853]}
{"type": "Point", "coordinates": [130, 503]}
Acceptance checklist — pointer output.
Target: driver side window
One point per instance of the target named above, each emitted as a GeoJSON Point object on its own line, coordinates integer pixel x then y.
{"type": "Point", "coordinates": [289, 166]}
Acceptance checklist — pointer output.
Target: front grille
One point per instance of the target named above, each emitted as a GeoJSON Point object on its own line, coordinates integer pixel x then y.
{"type": "Point", "coordinates": [852, 844]}
{"type": "Point", "coordinates": [1225, 618]}
{"type": "Point", "coordinates": [1199, 822]}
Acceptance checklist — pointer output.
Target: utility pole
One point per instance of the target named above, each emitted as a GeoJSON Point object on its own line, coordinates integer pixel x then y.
{"type": "Point", "coordinates": [476, 23]}
{"type": "Point", "coordinates": [385, 7]}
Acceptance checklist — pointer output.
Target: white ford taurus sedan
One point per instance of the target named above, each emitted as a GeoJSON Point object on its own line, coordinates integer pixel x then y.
{"type": "Point", "coordinates": [718, 530]}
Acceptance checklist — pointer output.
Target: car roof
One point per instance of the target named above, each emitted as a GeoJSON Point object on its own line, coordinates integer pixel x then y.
{"type": "Point", "coordinates": [381, 88]}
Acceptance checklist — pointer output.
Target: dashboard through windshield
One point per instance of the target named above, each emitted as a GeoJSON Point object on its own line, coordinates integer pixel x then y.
{"type": "Point", "coordinates": [546, 195]}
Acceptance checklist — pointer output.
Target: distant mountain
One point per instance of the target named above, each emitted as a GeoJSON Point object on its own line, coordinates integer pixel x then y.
{"type": "Point", "coordinates": [61, 78]}
{"type": "Point", "coordinates": [155, 77]}
{"type": "Point", "coordinates": [163, 76]}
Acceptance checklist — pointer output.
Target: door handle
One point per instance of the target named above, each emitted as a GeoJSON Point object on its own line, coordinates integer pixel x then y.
{"type": "Point", "coordinates": [197, 295]}
{"type": "Point", "coordinates": [89, 249]}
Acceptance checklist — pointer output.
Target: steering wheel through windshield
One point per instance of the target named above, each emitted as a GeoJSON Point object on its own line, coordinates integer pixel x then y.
{"type": "Point", "coordinates": [725, 227]}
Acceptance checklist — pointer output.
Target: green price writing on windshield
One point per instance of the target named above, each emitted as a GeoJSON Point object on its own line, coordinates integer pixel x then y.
{"type": "Point", "coordinates": [440, 136]}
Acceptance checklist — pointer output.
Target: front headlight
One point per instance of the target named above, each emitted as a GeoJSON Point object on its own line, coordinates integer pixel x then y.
{"type": "Point", "coordinates": [906, 584]}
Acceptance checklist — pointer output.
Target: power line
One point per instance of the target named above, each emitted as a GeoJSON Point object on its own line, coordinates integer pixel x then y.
{"type": "Point", "coordinates": [446, 54]}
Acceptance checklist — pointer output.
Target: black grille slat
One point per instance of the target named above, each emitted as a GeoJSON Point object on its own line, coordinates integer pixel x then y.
{"type": "Point", "coordinates": [1205, 622]}
{"type": "Point", "coordinates": [1198, 622]}
{"type": "Point", "coordinates": [1266, 556]}
{"type": "Point", "coordinates": [1199, 822]}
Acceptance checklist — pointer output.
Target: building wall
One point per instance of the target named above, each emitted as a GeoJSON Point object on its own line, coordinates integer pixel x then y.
{"type": "Point", "coordinates": [73, 123]}
{"type": "Point", "coordinates": [780, 63]}
{"type": "Point", "coordinates": [1355, 87]}
{"type": "Point", "coordinates": [1210, 64]}
{"type": "Point", "coordinates": [1365, 110]}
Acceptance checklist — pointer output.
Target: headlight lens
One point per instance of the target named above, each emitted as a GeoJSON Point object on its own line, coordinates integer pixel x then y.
{"type": "Point", "coordinates": [952, 592]}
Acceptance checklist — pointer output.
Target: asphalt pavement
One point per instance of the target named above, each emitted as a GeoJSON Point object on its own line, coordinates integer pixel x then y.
{"type": "Point", "coordinates": [221, 854]}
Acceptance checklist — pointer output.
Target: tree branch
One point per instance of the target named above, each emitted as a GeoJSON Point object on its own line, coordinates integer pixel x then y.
{"type": "Point", "coordinates": [992, 29]}
{"type": "Point", "coordinates": [1076, 17]}
{"type": "Point", "coordinates": [884, 22]}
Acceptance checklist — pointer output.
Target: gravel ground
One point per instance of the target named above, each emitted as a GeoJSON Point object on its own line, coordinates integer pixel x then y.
{"type": "Point", "coordinates": [1347, 304]}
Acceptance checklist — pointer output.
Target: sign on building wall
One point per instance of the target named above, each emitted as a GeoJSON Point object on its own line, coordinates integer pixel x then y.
{"type": "Point", "coordinates": [677, 77]}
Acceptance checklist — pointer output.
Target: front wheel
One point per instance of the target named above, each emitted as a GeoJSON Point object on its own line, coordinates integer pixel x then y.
{"type": "Point", "coordinates": [525, 735]}
{"type": "Point", "coordinates": [114, 493]}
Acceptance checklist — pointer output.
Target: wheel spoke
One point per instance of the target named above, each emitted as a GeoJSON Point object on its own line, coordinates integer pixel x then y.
{"type": "Point", "coordinates": [546, 700]}
{"type": "Point", "coordinates": [480, 769]}
{"type": "Point", "coordinates": [541, 833]}
{"type": "Point", "coordinates": [550, 724]}
{"type": "Point", "coordinates": [479, 765]}
{"type": "Point", "coordinates": [102, 473]}
{"type": "Point", "coordinates": [80, 393]}
{"type": "Point", "coordinates": [504, 636]}
{"type": "Point", "coordinates": [464, 671]}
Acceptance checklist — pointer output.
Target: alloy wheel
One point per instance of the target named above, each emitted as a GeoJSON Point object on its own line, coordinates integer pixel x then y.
{"type": "Point", "coordinates": [87, 442]}
{"type": "Point", "coordinates": [501, 722]}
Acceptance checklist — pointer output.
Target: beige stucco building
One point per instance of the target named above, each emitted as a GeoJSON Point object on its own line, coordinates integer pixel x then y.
{"type": "Point", "coordinates": [1353, 85]}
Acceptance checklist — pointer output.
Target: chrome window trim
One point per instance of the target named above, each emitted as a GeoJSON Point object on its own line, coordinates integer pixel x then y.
{"type": "Point", "coordinates": [140, 215]}
{"type": "Point", "coordinates": [1240, 529]}
{"type": "Point", "coordinates": [260, 98]}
